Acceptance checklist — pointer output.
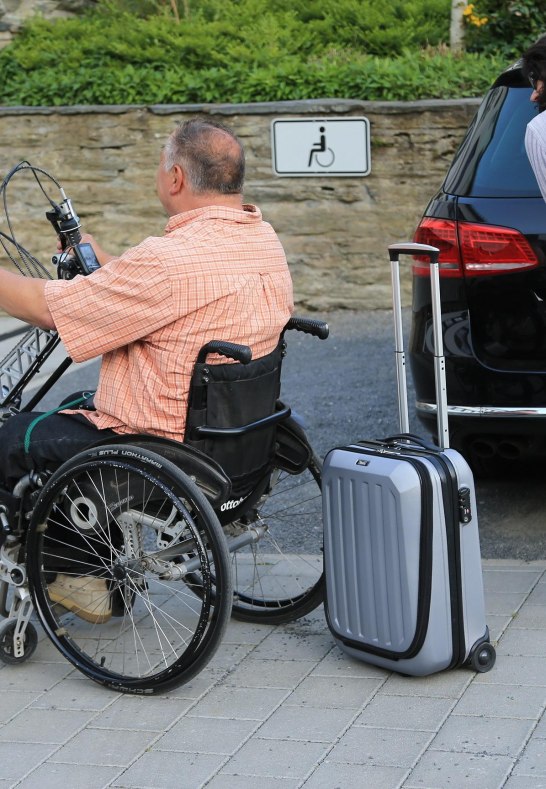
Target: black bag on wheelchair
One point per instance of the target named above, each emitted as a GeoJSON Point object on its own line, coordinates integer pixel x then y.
{"type": "Point", "coordinates": [230, 397]}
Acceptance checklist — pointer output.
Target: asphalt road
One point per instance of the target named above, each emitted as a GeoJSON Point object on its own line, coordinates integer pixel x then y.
{"type": "Point", "coordinates": [344, 388]}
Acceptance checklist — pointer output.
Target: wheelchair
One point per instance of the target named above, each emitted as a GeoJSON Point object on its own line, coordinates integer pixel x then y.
{"type": "Point", "coordinates": [168, 540]}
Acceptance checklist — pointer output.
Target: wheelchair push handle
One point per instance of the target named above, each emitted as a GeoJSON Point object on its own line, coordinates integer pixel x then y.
{"type": "Point", "coordinates": [241, 353]}
{"type": "Point", "coordinates": [309, 326]}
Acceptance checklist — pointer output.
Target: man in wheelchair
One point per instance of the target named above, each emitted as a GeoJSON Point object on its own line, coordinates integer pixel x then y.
{"type": "Point", "coordinates": [219, 271]}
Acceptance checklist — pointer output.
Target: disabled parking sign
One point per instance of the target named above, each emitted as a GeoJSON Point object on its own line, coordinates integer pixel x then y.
{"type": "Point", "coordinates": [321, 146]}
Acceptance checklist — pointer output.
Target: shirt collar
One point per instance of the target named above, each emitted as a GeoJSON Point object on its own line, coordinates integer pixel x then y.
{"type": "Point", "coordinates": [248, 214]}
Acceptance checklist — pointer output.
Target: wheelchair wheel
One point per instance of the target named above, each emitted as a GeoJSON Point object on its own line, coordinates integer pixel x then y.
{"type": "Point", "coordinates": [114, 539]}
{"type": "Point", "coordinates": [278, 576]}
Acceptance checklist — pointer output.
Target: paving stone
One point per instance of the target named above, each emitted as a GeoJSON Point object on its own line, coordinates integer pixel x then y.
{"type": "Point", "coordinates": [147, 714]}
{"type": "Point", "coordinates": [504, 701]}
{"type": "Point", "coordinates": [352, 776]}
{"type": "Point", "coordinates": [507, 580]}
{"type": "Point", "coordinates": [75, 693]}
{"type": "Point", "coordinates": [52, 776]}
{"type": "Point", "coordinates": [449, 684]}
{"type": "Point", "coordinates": [525, 782]}
{"type": "Point", "coordinates": [245, 633]}
{"type": "Point", "coordinates": [206, 735]}
{"type": "Point", "coordinates": [405, 712]}
{"type": "Point", "coordinates": [12, 702]}
{"type": "Point", "coordinates": [379, 747]}
{"type": "Point", "coordinates": [444, 770]}
{"type": "Point", "coordinates": [222, 781]}
{"type": "Point", "coordinates": [17, 759]}
{"type": "Point", "coordinates": [230, 655]}
{"type": "Point", "coordinates": [514, 670]}
{"type": "Point", "coordinates": [163, 770]}
{"type": "Point", "coordinates": [34, 676]}
{"type": "Point", "coordinates": [333, 692]}
{"type": "Point", "coordinates": [471, 734]}
{"type": "Point", "coordinates": [538, 595]}
{"type": "Point", "coordinates": [284, 645]}
{"type": "Point", "coordinates": [103, 746]}
{"type": "Point", "coordinates": [314, 622]}
{"type": "Point", "coordinates": [44, 726]}
{"type": "Point", "coordinates": [497, 603]}
{"type": "Point", "coordinates": [275, 758]}
{"type": "Point", "coordinates": [303, 723]}
{"type": "Point", "coordinates": [540, 730]}
{"type": "Point", "coordinates": [253, 673]}
{"type": "Point", "coordinates": [533, 759]}
{"type": "Point", "coordinates": [246, 703]}
{"type": "Point", "coordinates": [198, 686]}
{"type": "Point", "coordinates": [517, 641]}
{"type": "Point", "coordinates": [337, 662]}
{"type": "Point", "coordinates": [533, 616]}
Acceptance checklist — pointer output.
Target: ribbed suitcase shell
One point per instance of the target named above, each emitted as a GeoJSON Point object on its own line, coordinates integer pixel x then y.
{"type": "Point", "coordinates": [403, 586]}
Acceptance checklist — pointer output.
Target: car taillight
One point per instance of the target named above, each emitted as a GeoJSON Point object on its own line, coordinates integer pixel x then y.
{"type": "Point", "coordinates": [440, 233]}
{"type": "Point", "coordinates": [477, 249]}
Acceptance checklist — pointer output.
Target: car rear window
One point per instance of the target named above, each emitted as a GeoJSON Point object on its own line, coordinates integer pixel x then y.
{"type": "Point", "coordinates": [491, 161]}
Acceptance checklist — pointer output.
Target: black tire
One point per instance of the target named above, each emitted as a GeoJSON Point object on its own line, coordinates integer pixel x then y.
{"type": "Point", "coordinates": [7, 631]}
{"type": "Point", "coordinates": [141, 527]}
{"type": "Point", "coordinates": [483, 657]}
{"type": "Point", "coordinates": [280, 576]}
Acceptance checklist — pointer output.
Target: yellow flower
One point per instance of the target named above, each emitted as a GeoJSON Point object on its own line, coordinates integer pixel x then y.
{"type": "Point", "coordinates": [469, 10]}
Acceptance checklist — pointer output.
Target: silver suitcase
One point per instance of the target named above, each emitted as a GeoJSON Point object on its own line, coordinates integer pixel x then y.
{"type": "Point", "coordinates": [404, 586]}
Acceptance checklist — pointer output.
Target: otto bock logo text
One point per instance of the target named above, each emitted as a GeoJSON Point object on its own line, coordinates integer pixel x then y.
{"type": "Point", "coordinates": [232, 504]}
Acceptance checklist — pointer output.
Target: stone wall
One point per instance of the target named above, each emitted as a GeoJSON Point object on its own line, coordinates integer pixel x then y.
{"type": "Point", "coordinates": [335, 230]}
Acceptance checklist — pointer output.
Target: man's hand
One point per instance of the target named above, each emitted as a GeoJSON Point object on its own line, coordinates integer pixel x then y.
{"type": "Point", "coordinates": [102, 256]}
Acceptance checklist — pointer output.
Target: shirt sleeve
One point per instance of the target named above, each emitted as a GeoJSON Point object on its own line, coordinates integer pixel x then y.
{"type": "Point", "coordinates": [126, 299]}
{"type": "Point", "coordinates": [535, 146]}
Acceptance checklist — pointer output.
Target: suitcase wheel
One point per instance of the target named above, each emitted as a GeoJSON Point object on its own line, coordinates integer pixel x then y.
{"type": "Point", "coordinates": [482, 657]}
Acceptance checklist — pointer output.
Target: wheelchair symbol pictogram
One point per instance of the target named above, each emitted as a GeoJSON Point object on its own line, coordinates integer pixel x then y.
{"type": "Point", "coordinates": [323, 155]}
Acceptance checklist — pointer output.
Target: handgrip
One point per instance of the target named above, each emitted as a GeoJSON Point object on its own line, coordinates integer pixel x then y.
{"type": "Point", "coordinates": [241, 353]}
{"type": "Point", "coordinates": [309, 326]}
{"type": "Point", "coordinates": [412, 248]}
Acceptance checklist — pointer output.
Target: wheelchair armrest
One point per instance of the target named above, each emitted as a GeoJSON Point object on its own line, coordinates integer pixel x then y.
{"type": "Point", "coordinates": [204, 431]}
{"type": "Point", "coordinates": [309, 326]}
{"type": "Point", "coordinates": [241, 353]}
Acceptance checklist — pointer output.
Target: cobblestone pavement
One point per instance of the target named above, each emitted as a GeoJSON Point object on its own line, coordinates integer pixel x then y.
{"type": "Point", "coordinates": [283, 707]}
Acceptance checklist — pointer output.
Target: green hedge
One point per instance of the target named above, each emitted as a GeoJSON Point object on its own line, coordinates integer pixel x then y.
{"type": "Point", "coordinates": [243, 51]}
{"type": "Point", "coordinates": [504, 27]}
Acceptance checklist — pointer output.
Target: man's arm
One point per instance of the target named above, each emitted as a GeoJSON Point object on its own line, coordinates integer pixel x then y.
{"type": "Point", "coordinates": [24, 298]}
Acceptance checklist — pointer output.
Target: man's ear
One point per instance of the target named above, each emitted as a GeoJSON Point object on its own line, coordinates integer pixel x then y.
{"type": "Point", "coordinates": [177, 180]}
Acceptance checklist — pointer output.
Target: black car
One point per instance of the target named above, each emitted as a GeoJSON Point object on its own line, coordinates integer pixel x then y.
{"type": "Point", "coordinates": [489, 221]}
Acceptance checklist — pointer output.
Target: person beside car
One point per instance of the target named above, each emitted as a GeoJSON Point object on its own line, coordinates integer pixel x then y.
{"type": "Point", "coordinates": [534, 69]}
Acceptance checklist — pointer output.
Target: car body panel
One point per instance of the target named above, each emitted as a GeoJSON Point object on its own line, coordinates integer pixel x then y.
{"type": "Point", "coordinates": [494, 325]}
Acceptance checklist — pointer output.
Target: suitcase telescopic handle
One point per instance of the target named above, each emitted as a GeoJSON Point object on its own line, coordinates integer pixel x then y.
{"type": "Point", "coordinates": [433, 254]}
{"type": "Point", "coordinates": [412, 248]}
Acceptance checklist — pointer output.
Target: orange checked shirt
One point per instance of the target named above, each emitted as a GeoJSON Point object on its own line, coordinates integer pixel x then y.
{"type": "Point", "coordinates": [217, 274]}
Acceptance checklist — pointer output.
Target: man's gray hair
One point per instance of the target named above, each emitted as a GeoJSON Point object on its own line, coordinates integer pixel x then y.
{"type": "Point", "coordinates": [210, 154]}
